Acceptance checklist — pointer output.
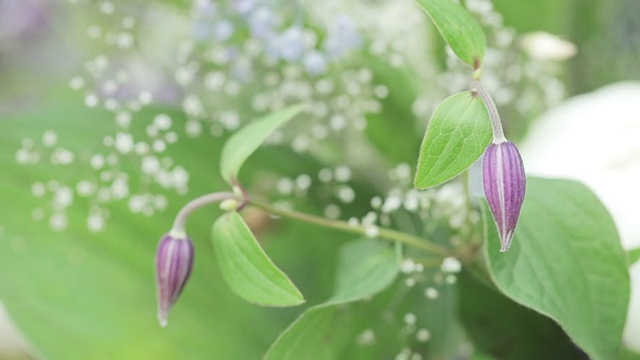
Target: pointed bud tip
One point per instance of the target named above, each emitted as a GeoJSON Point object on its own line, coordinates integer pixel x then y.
{"type": "Point", "coordinates": [162, 319]}
{"type": "Point", "coordinates": [505, 241]}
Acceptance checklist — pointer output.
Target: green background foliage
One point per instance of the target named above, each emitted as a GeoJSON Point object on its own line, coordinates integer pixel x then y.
{"type": "Point", "coordinates": [78, 294]}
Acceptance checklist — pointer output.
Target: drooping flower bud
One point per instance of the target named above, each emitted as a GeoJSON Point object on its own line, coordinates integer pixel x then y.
{"type": "Point", "coordinates": [174, 261]}
{"type": "Point", "coordinates": [504, 184]}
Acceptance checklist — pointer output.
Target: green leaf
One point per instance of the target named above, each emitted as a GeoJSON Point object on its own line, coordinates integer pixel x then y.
{"type": "Point", "coordinates": [248, 139]}
{"type": "Point", "coordinates": [458, 133]}
{"type": "Point", "coordinates": [458, 28]}
{"type": "Point", "coordinates": [247, 268]}
{"type": "Point", "coordinates": [366, 267]}
{"type": "Point", "coordinates": [566, 262]}
{"type": "Point", "coordinates": [318, 334]}
{"type": "Point", "coordinates": [633, 255]}
{"type": "Point", "coordinates": [502, 328]}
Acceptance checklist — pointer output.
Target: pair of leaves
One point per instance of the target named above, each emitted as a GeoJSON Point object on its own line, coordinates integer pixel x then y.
{"type": "Point", "coordinates": [458, 133]}
{"type": "Point", "coordinates": [566, 262]}
{"type": "Point", "coordinates": [244, 265]}
{"type": "Point", "coordinates": [366, 267]}
{"type": "Point", "coordinates": [459, 129]}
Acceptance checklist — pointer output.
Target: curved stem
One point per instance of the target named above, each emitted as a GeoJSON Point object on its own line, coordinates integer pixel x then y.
{"type": "Point", "coordinates": [178, 229]}
{"type": "Point", "coordinates": [496, 123]}
{"type": "Point", "coordinates": [386, 233]}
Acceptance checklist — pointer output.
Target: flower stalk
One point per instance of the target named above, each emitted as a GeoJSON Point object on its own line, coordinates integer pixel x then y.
{"type": "Point", "coordinates": [175, 254]}
{"type": "Point", "coordinates": [494, 116]}
{"type": "Point", "coordinates": [179, 224]}
{"type": "Point", "coordinates": [386, 233]}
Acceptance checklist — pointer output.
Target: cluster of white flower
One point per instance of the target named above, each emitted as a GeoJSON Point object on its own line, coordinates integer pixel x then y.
{"type": "Point", "coordinates": [230, 62]}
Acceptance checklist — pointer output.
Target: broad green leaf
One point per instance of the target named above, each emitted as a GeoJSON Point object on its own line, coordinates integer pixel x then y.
{"type": "Point", "coordinates": [247, 268]}
{"type": "Point", "coordinates": [633, 255]}
{"type": "Point", "coordinates": [318, 334]}
{"type": "Point", "coordinates": [509, 331]}
{"type": "Point", "coordinates": [458, 28]}
{"type": "Point", "coordinates": [366, 267]}
{"type": "Point", "coordinates": [248, 139]}
{"type": "Point", "coordinates": [457, 135]}
{"type": "Point", "coordinates": [566, 262]}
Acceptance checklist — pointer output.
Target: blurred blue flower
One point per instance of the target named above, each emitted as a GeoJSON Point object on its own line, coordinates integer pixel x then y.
{"type": "Point", "coordinates": [315, 63]}
{"type": "Point", "coordinates": [223, 30]}
{"type": "Point", "coordinates": [243, 7]}
{"type": "Point", "coordinates": [202, 29]}
{"type": "Point", "coordinates": [262, 21]}
{"type": "Point", "coordinates": [204, 9]}
{"type": "Point", "coordinates": [342, 37]}
{"type": "Point", "coordinates": [290, 46]}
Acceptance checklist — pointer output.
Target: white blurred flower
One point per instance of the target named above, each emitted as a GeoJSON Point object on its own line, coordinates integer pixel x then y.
{"type": "Point", "coordinates": [544, 46]}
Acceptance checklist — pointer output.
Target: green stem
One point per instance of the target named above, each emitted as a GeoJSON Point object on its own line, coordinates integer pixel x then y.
{"type": "Point", "coordinates": [386, 233]}
{"type": "Point", "coordinates": [178, 229]}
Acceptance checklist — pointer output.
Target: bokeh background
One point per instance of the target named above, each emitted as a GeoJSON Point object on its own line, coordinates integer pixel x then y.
{"type": "Point", "coordinates": [112, 115]}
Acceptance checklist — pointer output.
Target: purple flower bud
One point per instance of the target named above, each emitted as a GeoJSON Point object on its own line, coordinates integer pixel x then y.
{"type": "Point", "coordinates": [174, 261]}
{"type": "Point", "coordinates": [504, 187]}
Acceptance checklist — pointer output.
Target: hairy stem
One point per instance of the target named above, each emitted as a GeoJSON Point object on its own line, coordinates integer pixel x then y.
{"type": "Point", "coordinates": [382, 232]}
{"type": "Point", "coordinates": [496, 123]}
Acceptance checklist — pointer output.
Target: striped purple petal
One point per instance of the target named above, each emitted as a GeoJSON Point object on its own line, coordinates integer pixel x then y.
{"type": "Point", "coordinates": [504, 183]}
{"type": "Point", "coordinates": [174, 261]}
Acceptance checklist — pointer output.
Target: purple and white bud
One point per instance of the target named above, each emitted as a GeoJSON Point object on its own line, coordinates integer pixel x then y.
{"type": "Point", "coordinates": [174, 261]}
{"type": "Point", "coordinates": [504, 184]}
